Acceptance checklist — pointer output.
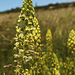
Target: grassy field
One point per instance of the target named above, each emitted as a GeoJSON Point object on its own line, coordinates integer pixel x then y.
{"type": "Point", "coordinates": [60, 21]}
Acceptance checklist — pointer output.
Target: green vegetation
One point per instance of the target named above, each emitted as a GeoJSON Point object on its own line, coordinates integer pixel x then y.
{"type": "Point", "coordinates": [60, 21]}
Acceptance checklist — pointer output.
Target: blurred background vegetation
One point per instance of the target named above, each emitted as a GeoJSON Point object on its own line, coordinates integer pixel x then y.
{"type": "Point", "coordinates": [60, 18]}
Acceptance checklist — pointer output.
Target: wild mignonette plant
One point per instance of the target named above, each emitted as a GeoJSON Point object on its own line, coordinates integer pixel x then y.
{"type": "Point", "coordinates": [70, 65]}
{"type": "Point", "coordinates": [71, 44]}
{"type": "Point", "coordinates": [49, 41]}
{"type": "Point", "coordinates": [28, 41]}
{"type": "Point", "coordinates": [51, 58]}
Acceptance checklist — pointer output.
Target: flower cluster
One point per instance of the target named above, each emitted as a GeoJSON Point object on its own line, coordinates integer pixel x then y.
{"type": "Point", "coordinates": [71, 42]}
{"type": "Point", "coordinates": [50, 57]}
{"type": "Point", "coordinates": [28, 39]}
{"type": "Point", "coordinates": [56, 72]}
{"type": "Point", "coordinates": [68, 66]}
{"type": "Point", "coordinates": [49, 40]}
{"type": "Point", "coordinates": [70, 60]}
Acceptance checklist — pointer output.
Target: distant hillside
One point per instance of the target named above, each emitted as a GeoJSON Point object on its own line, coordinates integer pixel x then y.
{"type": "Point", "coordinates": [57, 6]}
{"type": "Point", "coordinates": [12, 10]}
{"type": "Point", "coordinates": [50, 6]}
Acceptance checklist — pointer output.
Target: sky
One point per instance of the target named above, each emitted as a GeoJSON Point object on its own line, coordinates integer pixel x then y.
{"type": "Point", "coordinates": [9, 4]}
